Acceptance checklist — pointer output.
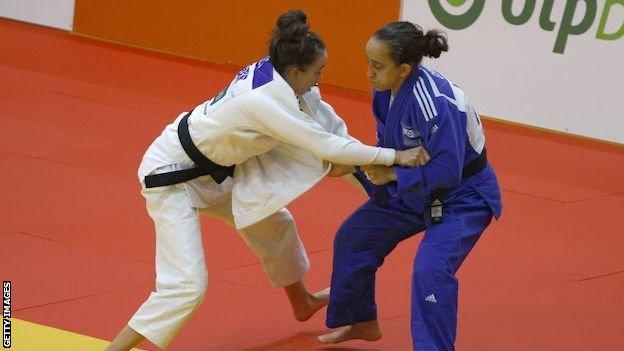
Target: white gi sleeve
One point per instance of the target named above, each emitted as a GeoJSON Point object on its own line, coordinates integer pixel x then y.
{"type": "Point", "coordinates": [309, 135]}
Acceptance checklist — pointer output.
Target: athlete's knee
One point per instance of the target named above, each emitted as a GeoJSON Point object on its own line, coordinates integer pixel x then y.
{"type": "Point", "coordinates": [349, 237]}
{"type": "Point", "coordinates": [202, 284]}
{"type": "Point", "coordinates": [430, 269]}
{"type": "Point", "coordinates": [342, 237]}
{"type": "Point", "coordinates": [195, 290]}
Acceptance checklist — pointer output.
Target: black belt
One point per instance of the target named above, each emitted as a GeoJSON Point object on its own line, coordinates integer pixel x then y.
{"type": "Point", "coordinates": [473, 168]}
{"type": "Point", "coordinates": [203, 165]}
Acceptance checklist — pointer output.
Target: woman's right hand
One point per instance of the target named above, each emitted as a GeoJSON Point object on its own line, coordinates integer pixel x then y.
{"type": "Point", "coordinates": [417, 156]}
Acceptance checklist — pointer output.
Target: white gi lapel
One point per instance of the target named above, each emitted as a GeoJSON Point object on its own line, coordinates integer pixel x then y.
{"type": "Point", "coordinates": [268, 182]}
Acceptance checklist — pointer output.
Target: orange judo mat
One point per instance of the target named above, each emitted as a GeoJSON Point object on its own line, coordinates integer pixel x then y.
{"type": "Point", "coordinates": [78, 245]}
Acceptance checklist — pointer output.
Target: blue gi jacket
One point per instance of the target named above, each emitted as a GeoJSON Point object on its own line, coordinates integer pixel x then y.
{"type": "Point", "coordinates": [430, 111]}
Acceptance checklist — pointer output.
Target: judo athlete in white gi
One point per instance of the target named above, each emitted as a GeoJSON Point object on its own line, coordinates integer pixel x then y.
{"type": "Point", "coordinates": [242, 156]}
{"type": "Point", "coordinates": [452, 198]}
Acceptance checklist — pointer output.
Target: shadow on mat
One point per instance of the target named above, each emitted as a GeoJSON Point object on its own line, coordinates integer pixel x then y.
{"type": "Point", "coordinates": [304, 341]}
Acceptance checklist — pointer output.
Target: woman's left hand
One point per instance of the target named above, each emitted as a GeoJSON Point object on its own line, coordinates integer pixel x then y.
{"type": "Point", "coordinates": [338, 170]}
{"type": "Point", "coordinates": [379, 175]}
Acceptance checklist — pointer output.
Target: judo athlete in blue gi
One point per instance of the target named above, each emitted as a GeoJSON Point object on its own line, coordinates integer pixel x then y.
{"type": "Point", "coordinates": [452, 198]}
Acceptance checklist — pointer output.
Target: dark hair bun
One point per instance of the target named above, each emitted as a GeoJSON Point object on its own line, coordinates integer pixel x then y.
{"type": "Point", "coordinates": [436, 42]}
{"type": "Point", "coordinates": [292, 44]}
{"type": "Point", "coordinates": [292, 25]}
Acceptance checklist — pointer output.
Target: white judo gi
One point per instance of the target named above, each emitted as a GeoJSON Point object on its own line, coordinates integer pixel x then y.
{"type": "Point", "coordinates": [278, 144]}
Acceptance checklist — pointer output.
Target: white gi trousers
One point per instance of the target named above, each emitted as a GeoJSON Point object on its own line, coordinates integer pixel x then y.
{"type": "Point", "coordinates": [181, 275]}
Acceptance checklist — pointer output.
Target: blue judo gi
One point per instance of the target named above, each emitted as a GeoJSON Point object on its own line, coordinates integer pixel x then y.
{"type": "Point", "coordinates": [429, 111]}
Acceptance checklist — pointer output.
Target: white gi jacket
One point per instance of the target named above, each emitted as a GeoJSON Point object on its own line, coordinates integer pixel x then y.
{"type": "Point", "coordinates": [258, 124]}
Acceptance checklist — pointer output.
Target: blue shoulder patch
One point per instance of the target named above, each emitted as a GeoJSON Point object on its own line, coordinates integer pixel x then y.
{"type": "Point", "coordinates": [263, 73]}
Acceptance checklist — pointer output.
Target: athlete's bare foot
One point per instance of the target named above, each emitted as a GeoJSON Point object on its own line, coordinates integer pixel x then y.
{"type": "Point", "coordinates": [312, 303]}
{"type": "Point", "coordinates": [369, 331]}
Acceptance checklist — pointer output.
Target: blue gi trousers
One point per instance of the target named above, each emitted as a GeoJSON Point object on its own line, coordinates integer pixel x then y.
{"type": "Point", "coordinates": [374, 230]}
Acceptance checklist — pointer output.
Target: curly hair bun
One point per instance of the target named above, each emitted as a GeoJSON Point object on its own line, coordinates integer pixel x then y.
{"type": "Point", "coordinates": [436, 43]}
{"type": "Point", "coordinates": [292, 25]}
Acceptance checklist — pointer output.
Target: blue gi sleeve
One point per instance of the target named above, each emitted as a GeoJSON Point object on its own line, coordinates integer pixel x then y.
{"type": "Point", "coordinates": [378, 193]}
{"type": "Point", "coordinates": [380, 137]}
{"type": "Point", "coordinates": [446, 146]}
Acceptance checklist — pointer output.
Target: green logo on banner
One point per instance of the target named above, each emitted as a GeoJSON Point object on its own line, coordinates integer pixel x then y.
{"type": "Point", "coordinates": [456, 22]}
{"type": "Point", "coordinates": [603, 22]}
{"type": "Point", "coordinates": [569, 25]}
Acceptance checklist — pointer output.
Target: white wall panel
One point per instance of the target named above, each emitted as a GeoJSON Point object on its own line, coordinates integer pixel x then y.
{"type": "Point", "coordinates": [512, 72]}
{"type": "Point", "coordinates": [51, 13]}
